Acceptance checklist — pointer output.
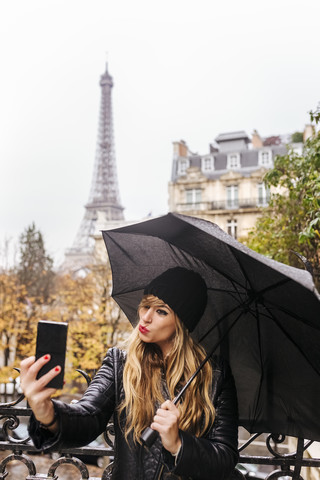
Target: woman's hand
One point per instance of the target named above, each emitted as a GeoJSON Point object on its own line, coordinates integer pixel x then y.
{"type": "Point", "coordinates": [35, 391]}
{"type": "Point", "coordinates": [166, 422]}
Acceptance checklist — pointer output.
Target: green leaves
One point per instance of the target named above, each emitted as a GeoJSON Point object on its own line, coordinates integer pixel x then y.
{"type": "Point", "coordinates": [292, 221]}
{"type": "Point", "coordinates": [315, 116]}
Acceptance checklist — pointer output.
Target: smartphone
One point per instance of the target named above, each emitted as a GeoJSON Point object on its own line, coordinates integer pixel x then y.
{"type": "Point", "coordinates": [52, 339]}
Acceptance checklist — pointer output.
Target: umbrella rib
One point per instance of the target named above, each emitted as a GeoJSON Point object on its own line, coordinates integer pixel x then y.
{"type": "Point", "coordinates": [219, 321]}
{"type": "Point", "coordinates": [234, 253]}
{"type": "Point", "coordinates": [236, 294]}
{"type": "Point", "coordinates": [177, 398]}
{"type": "Point", "coordinates": [270, 287]}
{"type": "Point", "coordinates": [293, 341]}
{"type": "Point", "coordinates": [274, 286]}
{"type": "Point", "coordinates": [282, 310]}
{"type": "Point", "coordinates": [288, 312]}
{"type": "Point", "coordinates": [221, 290]}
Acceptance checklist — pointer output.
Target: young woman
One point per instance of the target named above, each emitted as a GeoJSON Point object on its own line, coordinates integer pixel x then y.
{"type": "Point", "coordinates": [197, 438]}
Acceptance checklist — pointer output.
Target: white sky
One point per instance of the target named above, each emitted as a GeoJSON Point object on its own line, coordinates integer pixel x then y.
{"type": "Point", "coordinates": [182, 70]}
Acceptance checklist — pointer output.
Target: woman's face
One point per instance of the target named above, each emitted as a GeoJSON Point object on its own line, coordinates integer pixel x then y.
{"type": "Point", "coordinates": [157, 323]}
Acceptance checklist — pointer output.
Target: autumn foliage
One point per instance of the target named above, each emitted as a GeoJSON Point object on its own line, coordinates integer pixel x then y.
{"type": "Point", "coordinates": [83, 301]}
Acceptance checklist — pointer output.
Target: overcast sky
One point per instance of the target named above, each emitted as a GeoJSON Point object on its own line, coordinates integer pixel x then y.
{"type": "Point", "coordinates": [182, 70]}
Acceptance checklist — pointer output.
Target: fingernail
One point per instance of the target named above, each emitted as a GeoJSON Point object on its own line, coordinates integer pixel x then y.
{"type": "Point", "coordinates": [57, 369]}
{"type": "Point", "coordinates": [46, 357]}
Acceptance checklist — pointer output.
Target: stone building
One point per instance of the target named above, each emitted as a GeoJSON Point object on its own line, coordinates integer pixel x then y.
{"type": "Point", "coordinates": [224, 185]}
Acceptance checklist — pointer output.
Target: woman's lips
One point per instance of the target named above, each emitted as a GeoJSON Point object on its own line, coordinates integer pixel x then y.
{"type": "Point", "coordinates": [143, 329]}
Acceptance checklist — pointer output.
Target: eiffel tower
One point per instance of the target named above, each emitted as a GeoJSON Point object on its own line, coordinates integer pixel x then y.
{"type": "Point", "coordinates": [104, 198]}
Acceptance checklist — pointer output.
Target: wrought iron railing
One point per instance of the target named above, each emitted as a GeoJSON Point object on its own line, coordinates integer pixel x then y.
{"type": "Point", "coordinates": [14, 447]}
{"type": "Point", "coordinates": [236, 203]}
{"type": "Point", "coordinates": [227, 204]}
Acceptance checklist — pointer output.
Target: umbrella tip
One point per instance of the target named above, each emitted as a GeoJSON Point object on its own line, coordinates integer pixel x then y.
{"type": "Point", "coordinates": [305, 261]}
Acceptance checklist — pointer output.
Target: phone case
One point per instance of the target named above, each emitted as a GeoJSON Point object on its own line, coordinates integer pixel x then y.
{"type": "Point", "coordinates": [52, 339]}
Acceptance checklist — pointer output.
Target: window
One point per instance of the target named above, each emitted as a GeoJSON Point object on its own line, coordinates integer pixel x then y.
{"type": "Point", "coordinates": [183, 164]}
{"type": "Point", "coordinates": [232, 196]}
{"type": "Point", "coordinates": [263, 195]}
{"type": "Point", "coordinates": [193, 195]}
{"type": "Point", "coordinates": [265, 158]}
{"type": "Point", "coordinates": [207, 164]}
{"type": "Point", "coordinates": [232, 228]}
{"type": "Point", "coordinates": [233, 160]}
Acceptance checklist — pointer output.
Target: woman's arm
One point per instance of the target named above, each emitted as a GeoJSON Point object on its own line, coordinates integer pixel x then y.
{"type": "Point", "coordinates": [82, 422]}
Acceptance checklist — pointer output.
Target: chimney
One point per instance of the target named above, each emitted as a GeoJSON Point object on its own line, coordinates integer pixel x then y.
{"type": "Point", "coordinates": [180, 149]}
{"type": "Point", "coordinates": [256, 140]}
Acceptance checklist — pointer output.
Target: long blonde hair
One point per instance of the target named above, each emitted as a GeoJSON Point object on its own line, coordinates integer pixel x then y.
{"type": "Point", "coordinates": [142, 384]}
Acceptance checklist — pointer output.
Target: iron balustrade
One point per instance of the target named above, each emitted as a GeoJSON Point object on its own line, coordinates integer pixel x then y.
{"type": "Point", "coordinates": [231, 204]}
{"type": "Point", "coordinates": [236, 203]}
{"type": "Point", "coordinates": [284, 465]}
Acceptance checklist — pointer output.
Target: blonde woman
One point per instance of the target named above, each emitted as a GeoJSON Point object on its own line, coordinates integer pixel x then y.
{"type": "Point", "coordinates": [197, 438]}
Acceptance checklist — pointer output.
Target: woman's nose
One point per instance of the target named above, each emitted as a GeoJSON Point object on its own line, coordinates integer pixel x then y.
{"type": "Point", "coordinates": [147, 316]}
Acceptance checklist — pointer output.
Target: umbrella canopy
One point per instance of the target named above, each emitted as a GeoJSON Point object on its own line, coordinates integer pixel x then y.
{"type": "Point", "coordinates": [264, 315]}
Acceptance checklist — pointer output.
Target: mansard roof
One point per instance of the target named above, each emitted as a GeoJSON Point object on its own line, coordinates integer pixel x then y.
{"type": "Point", "coordinates": [249, 162]}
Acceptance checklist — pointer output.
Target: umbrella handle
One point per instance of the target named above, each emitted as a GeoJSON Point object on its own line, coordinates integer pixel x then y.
{"type": "Point", "coordinates": [148, 437]}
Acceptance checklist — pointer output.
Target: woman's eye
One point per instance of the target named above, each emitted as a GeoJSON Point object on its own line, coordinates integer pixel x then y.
{"type": "Point", "coordinates": [144, 308]}
{"type": "Point", "coordinates": [162, 312]}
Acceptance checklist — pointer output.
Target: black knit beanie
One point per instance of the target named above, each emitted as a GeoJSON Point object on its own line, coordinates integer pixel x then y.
{"type": "Point", "coordinates": [184, 291]}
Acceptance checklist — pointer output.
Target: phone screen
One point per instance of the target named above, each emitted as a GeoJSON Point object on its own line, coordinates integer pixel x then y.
{"type": "Point", "coordinates": [52, 339]}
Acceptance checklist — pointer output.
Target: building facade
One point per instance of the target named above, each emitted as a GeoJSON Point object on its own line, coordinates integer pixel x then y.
{"type": "Point", "coordinates": [225, 185]}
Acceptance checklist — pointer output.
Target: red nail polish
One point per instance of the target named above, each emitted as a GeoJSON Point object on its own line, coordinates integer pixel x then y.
{"type": "Point", "coordinates": [57, 369]}
{"type": "Point", "coordinates": [46, 357]}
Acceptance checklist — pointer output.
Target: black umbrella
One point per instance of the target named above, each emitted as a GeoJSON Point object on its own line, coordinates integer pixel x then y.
{"type": "Point", "coordinates": [262, 316]}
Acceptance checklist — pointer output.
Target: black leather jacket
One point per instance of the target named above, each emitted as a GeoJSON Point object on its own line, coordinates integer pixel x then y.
{"type": "Point", "coordinates": [210, 457]}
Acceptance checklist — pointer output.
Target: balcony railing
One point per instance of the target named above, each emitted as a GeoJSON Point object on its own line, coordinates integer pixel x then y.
{"type": "Point", "coordinates": [186, 207]}
{"type": "Point", "coordinates": [233, 204]}
{"type": "Point", "coordinates": [14, 448]}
